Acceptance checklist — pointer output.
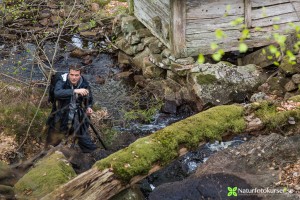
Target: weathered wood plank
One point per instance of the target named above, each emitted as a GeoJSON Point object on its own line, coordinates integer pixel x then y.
{"type": "Point", "coordinates": [272, 11]}
{"type": "Point", "coordinates": [260, 3]}
{"type": "Point", "coordinates": [210, 24]}
{"type": "Point", "coordinates": [268, 21]}
{"type": "Point", "coordinates": [178, 26]}
{"type": "Point", "coordinates": [155, 16]}
{"type": "Point", "coordinates": [213, 9]}
{"type": "Point", "coordinates": [248, 11]}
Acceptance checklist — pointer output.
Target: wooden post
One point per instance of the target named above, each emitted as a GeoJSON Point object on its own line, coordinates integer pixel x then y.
{"type": "Point", "coordinates": [130, 6]}
{"type": "Point", "coordinates": [248, 9]}
{"type": "Point", "coordinates": [178, 26]}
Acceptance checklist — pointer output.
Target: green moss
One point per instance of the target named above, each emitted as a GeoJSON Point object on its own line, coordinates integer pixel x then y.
{"type": "Point", "coordinates": [203, 79]}
{"type": "Point", "coordinates": [295, 98]}
{"type": "Point", "coordinates": [4, 170]}
{"type": "Point", "coordinates": [17, 110]}
{"type": "Point", "coordinates": [16, 119]}
{"type": "Point", "coordinates": [272, 118]}
{"type": "Point", "coordinates": [162, 146]}
{"type": "Point", "coordinates": [47, 175]}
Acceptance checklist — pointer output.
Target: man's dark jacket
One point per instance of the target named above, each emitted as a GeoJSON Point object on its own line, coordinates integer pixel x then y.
{"type": "Point", "coordinates": [68, 112]}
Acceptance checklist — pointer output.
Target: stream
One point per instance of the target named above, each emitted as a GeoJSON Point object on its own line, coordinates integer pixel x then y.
{"type": "Point", "coordinates": [113, 95]}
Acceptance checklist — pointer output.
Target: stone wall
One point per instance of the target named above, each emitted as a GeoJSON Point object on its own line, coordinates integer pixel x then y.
{"type": "Point", "coordinates": [181, 83]}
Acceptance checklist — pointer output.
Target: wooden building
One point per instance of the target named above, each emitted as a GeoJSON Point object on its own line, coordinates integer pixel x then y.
{"type": "Point", "coordinates": [188, 26]}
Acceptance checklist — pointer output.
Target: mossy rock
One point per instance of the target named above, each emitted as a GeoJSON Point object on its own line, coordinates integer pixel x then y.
{"type": "Point", "coordinates": [273, 118]}
{"type": "Point", "coordinates": [163, 146]}
{"type": "Point", "coordinates": [48, 174]}
{"type": "Point", "coordinates": [5, 171]}
{"type": "Point", "coordinates": [295, 98]}
{"type": "Point", "coordinates": [6, 192]}
{"type": "Point", "coordinates": [203, 79]}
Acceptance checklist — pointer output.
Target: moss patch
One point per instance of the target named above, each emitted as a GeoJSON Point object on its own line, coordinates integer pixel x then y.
{"type": "Point", "coordinates": [47, 175]}
{"type": "Point", "coordinates": [272, 118]}
{"type": "Point", "coordinates": [295, 98]}
{"type": "Point", "coordinates": [162, 146]}
{"type": "Point", "coordinates": [4, 170]}
{"type": "Point", "coordinates": [203, 79]}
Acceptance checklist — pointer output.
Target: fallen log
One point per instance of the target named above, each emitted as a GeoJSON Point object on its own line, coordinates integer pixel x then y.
{"type": "Point", "coordinates": [111, 175]}
{"type": "Point", "coordinates": [124, 168]}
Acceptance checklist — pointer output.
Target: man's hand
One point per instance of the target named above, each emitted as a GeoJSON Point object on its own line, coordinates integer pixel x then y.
{"type": "Point", "coordinates": [82, 91]}
{"type": "Point", "coordinates": [89, 111]}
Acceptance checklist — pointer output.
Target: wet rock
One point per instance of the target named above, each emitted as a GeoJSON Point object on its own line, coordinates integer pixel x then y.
{"type": "Point", "coordinates": [185, 61]}
{"type": "Point", "coordinates": [211, 186]}
{"type": "Point", "coordinates": [140, 80]}
{"type": "Point", "coordinates": [155, 47]}
{"type": "Point", "coordinates": [288, 68]}
{"type": "Point", "coordinates": [169, 107]}
{"type": "Point", "coordinates": [130, 24]}
{"type": "Point", "coordinates": [150, 70]}
{"type": "Point", "coordinates": [139, 58]}
{"type": "Point", "coordinates": [260, 96]}
{"type": "Point", "coordinates": [122, 75]}
{"type": "Point", "coordinates": [124, 58]}
{"type": "Point", "coordinates": [132, 193]}
{"type": "Point", "coordinates": [88, 33]}
{"type": "Point", "coordinates": [78, 53]}
{"type": "Point", "coordinates": [149, 40]}
{"type": "Point", "coordinates": [296, 78]}
{"type": "Point", "coordinates": [290, 86]}
{"type": "Point", "coordinates": [100, 80]}
{"type": "Point", "coordinates": [253, 164]}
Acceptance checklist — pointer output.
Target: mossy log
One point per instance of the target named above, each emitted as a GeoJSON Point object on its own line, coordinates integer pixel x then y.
{"type": "Point", "coordinates": [117, 172]}
{"type": "Point", "coordinates": [111, 175]}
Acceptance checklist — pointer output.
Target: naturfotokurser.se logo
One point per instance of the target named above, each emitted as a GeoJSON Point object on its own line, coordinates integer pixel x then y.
{"type": "Point", "coordinates": [232, 191]}
{"type": "Point", "coordinates": [235, 191]}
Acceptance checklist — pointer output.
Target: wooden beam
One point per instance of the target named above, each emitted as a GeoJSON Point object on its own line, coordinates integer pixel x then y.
{"type": "Point", "coordinates": [178, 26]}
{"type": "Point", "coordinates": [248, 9]}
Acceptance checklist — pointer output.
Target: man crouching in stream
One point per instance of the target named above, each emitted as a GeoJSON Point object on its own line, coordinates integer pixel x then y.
{"type": "Point", "coordinates": [71, 109]}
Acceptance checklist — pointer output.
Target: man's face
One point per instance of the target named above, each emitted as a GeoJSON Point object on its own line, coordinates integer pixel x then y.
{"type": "Point", "coordinates": [74, 76]}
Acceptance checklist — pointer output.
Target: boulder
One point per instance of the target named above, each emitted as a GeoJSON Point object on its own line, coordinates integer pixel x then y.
{"type": "Point", "coordinates": [259, 164]}
{"type": "Point", "coordinates": [44, 177]}
{"type": "Point", "coordinates": [222, 83]}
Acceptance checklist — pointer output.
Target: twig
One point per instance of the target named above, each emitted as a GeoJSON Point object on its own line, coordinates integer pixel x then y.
{"type": "Point", "coordinates": [110, 42]}
{"type": "Point", "coordinates": [14, 78]}
{"type": "Point", "coordinates": [48, 80]}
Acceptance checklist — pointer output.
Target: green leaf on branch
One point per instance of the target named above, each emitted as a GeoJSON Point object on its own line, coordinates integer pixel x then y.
{"type": "Point", "coordinates": [276, 27]}
{"type": "Point", "coordinates": [214, 46]}
{"type": "Point", "coordinates": [276, 19]}
{"type": "Point", "coordinates": [237, 21]}
{"type": "Point", "coordinates": [257, 28]}
{"type": "Point", "coordinates": [201, 59]}
{"type": "Point", "coordinates": [243, 47]}
{"type": "Point", "coordinates": [245, 34]}
{"type": "Point", "coordinates": [276, 63]}
{"type": "Point", "coordinates": [220, 34]}
{"type": "Point", "coordinates": [218, 55]}
{"type": "Point", "coordinates": [273, 49]}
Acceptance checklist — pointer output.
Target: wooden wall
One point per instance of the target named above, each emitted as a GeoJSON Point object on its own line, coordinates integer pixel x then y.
{"type": "Point", "coordinates": [203, 17]}
{"type": "Point", "coordinates": [155, 15]}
